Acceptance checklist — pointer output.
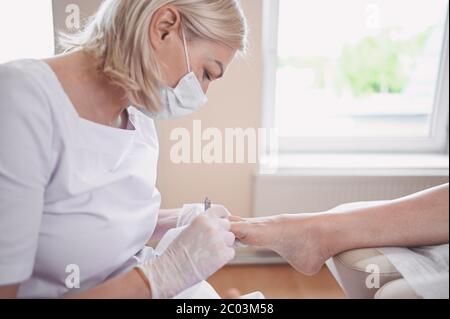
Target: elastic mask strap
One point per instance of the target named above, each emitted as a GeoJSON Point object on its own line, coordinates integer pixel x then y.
{"type": "Point", "coordinates": [186, 50]}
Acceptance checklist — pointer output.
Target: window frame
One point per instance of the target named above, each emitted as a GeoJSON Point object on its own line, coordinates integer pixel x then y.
{"type": "Point", "coordinates": [437, 142]}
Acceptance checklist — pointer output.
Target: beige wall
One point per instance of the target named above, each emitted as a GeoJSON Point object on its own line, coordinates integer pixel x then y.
{"type": "Point", "coordinates": [233, 102]}
{"type": "Point", "coordinates": [87, 7]}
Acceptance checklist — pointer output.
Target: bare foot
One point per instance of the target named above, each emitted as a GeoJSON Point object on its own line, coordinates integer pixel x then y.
{"type": "Point", "coordinates": [297, 238]}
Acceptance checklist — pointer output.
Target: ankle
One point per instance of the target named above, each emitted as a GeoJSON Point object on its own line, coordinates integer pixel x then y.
{"type": "Point", "coordinates": [317, 227]}
{"type": "Point", "coordinates": [325, 230]}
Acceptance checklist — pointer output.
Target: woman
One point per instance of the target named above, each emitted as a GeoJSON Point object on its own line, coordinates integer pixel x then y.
{"type": "Point", "coordinates": [78, 163]}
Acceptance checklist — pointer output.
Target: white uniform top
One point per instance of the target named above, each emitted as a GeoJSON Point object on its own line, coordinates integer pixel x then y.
{"type": "Point", "coordinates": [72, 192]}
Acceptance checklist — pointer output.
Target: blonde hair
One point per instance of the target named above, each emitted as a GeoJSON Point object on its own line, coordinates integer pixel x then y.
{"type": "Point", "coordinates": [118, 36]}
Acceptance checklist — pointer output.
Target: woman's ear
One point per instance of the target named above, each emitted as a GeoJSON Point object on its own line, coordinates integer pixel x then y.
{"type": "Point", "coordinates": [165, 26]}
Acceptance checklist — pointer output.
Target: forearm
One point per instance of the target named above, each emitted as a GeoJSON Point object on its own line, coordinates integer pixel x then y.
{"type": "Point", "coordinates": [421, 219]}
{"type": "Point", "coordinates": [9, 292]}
{"type": "Point", "coordinates": [128, 286]}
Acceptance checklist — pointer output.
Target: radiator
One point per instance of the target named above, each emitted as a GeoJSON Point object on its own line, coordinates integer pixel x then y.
{"type": "Point", "coordinates": [274, 194]}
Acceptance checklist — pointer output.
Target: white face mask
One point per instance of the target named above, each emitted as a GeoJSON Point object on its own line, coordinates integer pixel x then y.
{"type": "Point", "coordinates": [186, 98]}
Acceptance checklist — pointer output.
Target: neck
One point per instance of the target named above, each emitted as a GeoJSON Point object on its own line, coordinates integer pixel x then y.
{"type": "Point", "coordinates": [102, 101]}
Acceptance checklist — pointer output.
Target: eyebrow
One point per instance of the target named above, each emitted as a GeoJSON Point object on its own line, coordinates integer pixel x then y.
{"type": "Point", "coordinates": [221, 68]}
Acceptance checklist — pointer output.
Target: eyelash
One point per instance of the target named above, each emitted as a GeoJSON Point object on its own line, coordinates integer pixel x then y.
{"type": "Point", "coordinates": [206, 76]}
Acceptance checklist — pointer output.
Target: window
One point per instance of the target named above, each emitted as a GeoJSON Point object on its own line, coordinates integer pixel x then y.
{"type": "Point", "coordinates": [26, 29]}
{"type": "Point", "coordinates": [357, 75]}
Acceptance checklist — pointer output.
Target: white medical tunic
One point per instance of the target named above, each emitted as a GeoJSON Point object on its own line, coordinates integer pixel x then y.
{"type": "Point", "coordinates": [74, 195]}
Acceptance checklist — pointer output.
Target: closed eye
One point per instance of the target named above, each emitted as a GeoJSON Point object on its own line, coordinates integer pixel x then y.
{"type": "Point", "coordinates": [206, 76]}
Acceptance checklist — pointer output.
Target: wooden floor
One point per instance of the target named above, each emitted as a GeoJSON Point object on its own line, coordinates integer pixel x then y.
{"type": "Point", "coordinates": [277, 282]}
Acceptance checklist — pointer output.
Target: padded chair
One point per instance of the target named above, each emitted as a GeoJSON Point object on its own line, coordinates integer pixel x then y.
{"type": "Point", "coordinates": [352, 269]}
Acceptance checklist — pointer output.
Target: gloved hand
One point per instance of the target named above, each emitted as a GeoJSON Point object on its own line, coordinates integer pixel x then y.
{"type": "Point", "coordinates": [190, 212]}
{"type": "Point", "coordinates": [200, 250]}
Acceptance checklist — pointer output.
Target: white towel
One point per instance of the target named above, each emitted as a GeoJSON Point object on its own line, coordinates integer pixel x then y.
{"type": "Point", "coordinates": [425, 269]}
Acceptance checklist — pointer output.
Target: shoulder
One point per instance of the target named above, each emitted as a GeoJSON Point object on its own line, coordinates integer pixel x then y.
{"type": "Point", "coordinates": [25, 106]}
{"type": "Point", "coordinates": [21, 73]}
{"type": "Point", "coordinates": [22, 88]}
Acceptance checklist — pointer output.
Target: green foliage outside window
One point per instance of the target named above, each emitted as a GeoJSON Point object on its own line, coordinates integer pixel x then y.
{"type": "Point", "coordinates": [380, 64]}
{"type": "Point", "coordinates": [376, 64]}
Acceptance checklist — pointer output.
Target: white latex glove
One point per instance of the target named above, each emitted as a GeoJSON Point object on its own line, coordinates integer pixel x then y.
{"type": "Point", "coordinates": [190, 212]}
{"type": "Point", "coordinates": [201, 249]}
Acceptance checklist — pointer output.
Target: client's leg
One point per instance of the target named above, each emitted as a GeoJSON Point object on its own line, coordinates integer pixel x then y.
{"type": "Point", "coordinates": [306, 241]}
